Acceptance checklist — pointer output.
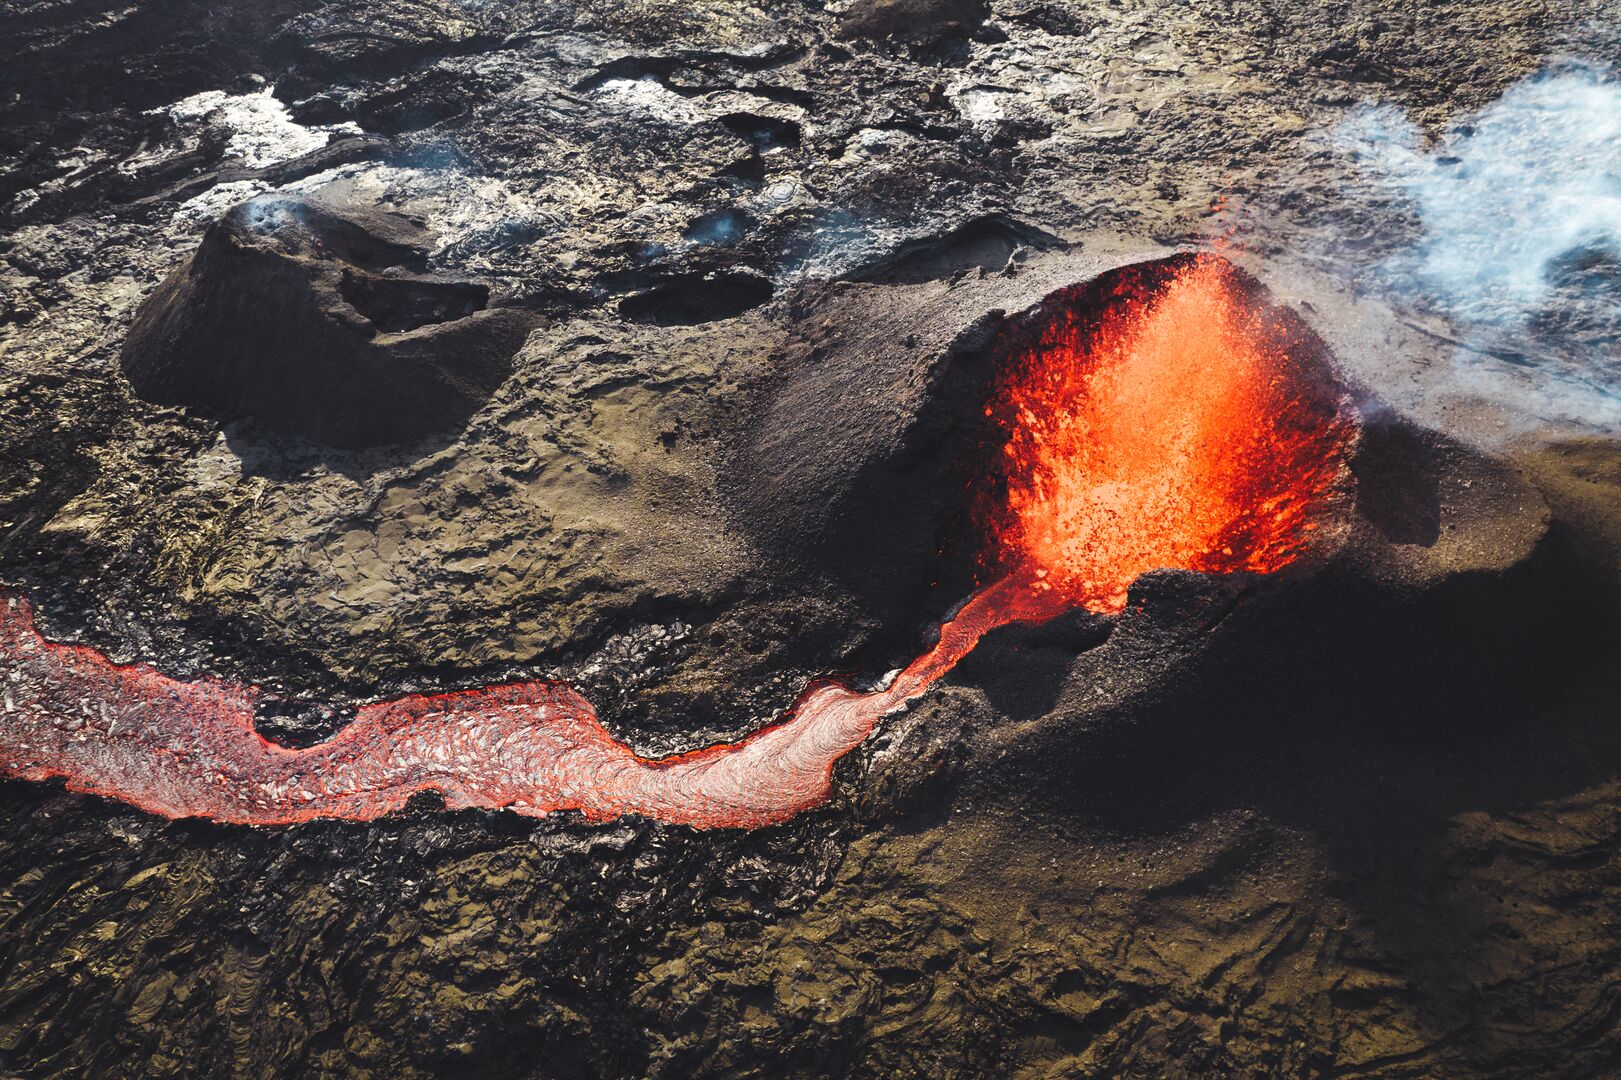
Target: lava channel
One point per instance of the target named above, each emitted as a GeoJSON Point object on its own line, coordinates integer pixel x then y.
{"type": "Point", "coordinates": [1169, 427]}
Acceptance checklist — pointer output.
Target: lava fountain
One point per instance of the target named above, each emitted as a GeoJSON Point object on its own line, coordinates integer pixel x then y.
{"type": "Point", "coordinates": [1159, 421]}
{"type": "Point", "coordinates": [1162, 419]}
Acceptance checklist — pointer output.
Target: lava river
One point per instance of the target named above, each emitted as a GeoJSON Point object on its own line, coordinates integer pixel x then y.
{"type": "Point", "coordinates": [1169, 427]}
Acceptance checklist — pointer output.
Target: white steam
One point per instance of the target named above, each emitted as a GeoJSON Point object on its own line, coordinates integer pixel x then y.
{"type": "Point", "coordinates": [1518, 208]}
{"type": "Point", "coordinates": [1507, 196]}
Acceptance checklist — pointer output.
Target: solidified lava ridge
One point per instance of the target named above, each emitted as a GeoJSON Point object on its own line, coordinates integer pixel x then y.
{"type": "Point", "coordinates": [1170, 428]}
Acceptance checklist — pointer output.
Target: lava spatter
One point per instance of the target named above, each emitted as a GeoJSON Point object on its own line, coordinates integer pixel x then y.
{"type": "Point", "coordinates": [1172, 428]}
{"type": "Point", "coordinates": [1168, 429]}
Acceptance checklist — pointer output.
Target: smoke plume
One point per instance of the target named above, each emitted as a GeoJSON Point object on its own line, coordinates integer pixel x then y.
{"type": "Point", "coordinates": [1519, 207]}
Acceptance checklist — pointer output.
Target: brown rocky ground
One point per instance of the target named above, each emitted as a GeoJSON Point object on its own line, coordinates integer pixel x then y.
{"type": "Point", "coordinates": [1349, 832]}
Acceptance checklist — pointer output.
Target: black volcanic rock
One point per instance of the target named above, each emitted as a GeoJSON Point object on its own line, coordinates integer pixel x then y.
{"type": "Point", "coordinates": [920, 21]}
{"type": "Point", "coordinates": [320, 322]}
{"type": "Point", "coordinates": [1359, 818]}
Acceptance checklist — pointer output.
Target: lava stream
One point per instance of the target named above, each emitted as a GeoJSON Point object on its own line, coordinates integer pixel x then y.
{"type": "Point", "coordinates": [1168, 431]}
{"type": "Point", "coordinates": [188, 749]}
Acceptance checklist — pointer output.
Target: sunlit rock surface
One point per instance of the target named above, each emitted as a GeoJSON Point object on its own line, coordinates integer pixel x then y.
{"type": "Point", "coordinates": [1356, 816]}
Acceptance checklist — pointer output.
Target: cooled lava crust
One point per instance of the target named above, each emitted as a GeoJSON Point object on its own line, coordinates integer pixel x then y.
{"type": "Point", "coordinates": [1199, 692]}
{"type": "Point", "coordinates": [1162, 418]}
{"type": "Point", "coordinates": [1354, 817]}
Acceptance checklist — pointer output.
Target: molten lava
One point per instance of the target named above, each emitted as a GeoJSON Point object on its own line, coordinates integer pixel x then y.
{"type": "Point", "coordinates": [1172, 427]}
{"type": "Point", "coordinates": [1175, 428]}
{"type": "Point", "coordinates": [188, 749]}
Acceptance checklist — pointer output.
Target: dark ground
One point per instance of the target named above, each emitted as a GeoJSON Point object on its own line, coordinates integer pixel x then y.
{"type": "Point", "coordinates": [1368, 823]}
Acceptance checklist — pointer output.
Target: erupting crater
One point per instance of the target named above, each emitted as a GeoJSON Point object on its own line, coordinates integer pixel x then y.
{"type": "Point", "coordinates": [1163, 416]}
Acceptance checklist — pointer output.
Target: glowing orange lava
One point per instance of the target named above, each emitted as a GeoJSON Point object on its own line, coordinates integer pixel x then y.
{"type": "Point", "coordinates": [1175, 426]}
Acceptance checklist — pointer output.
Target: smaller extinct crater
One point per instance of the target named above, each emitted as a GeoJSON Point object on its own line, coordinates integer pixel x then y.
{"type": "Point", "coordinates": [395, 306]}
{"type": "Point", "coordinates": [320, 320]}
{"type": "Point", "coordinates": [986, 243]}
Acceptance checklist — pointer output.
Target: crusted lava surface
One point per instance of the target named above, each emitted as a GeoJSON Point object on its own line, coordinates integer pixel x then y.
{"type": "Point", "coordinates": [485, 422]}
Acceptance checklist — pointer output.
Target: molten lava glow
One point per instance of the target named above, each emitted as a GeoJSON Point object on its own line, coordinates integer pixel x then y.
{"type": "Point", "coordinates": [188, 749]}
{"type": "Point", "coordinates": [1175, 431]}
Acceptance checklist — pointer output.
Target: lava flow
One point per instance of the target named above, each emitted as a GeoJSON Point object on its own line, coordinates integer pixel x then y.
{"type": "Point", "coordinates": [1170, 427]}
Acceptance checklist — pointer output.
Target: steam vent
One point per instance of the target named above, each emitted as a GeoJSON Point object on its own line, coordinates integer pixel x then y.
{"type": "Point", "coordinates": [880, 539]}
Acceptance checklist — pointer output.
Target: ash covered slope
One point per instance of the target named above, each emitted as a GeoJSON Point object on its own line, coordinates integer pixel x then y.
{"type": "Point", "coordinates": [1228, 839]}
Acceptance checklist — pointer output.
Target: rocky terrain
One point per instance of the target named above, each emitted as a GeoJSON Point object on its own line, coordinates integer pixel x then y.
{"type": "Point", "coordinates": [359, 348]}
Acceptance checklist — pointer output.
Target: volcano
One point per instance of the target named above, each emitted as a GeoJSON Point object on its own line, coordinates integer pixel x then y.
{"type": "Point", "coordinates": [1163, 419]}
{"type": "Point", "coordinates": [320, 320]}
{"type": "Point", "coordinates": [876, 538]}
{"type": "Point", "coordinates": [1159, 421]}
